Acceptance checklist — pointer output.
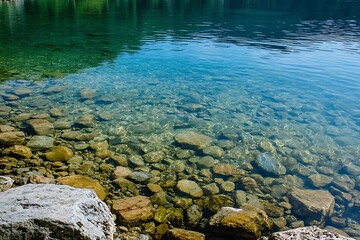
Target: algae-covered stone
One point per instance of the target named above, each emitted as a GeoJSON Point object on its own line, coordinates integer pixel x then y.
{"type": "Point", "coordinates": [227, 186]}
{"type": "Point", "coordinates": [133, 210]}
{"type": "Point", "coordinates": [182, 234]}
{"type": "Point", "coordinates": [19, 151]}
{"type": "Point", "coordinates": [193, 140]}
{"type": "Point", "coordinates": [190, 187]}
{"type": "Point", "coordinates": [193, 215]}
{"type": "Point", "coordinates": [240, 223]}
{"type": "Point", "coordinates": [210, 189]}
{"type": "Point", "coordinates": [272, 210]}
{"type": "Point", "coordinates": [59, 153]}
{"type": "Point", "coordinates": [79, 181]}
{"type": "Point", "coordinates": [126, 185]}
{"type": "Point", "coordinates": [173, 215]}
{"type": "Point", "coordinates": [215, 202]}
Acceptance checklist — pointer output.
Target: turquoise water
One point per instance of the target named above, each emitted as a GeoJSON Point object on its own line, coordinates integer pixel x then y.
{"type": "Point", "coordinates": [272, 77]}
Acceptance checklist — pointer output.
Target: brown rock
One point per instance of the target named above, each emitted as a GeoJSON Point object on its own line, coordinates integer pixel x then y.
{"type": "Point", "coordinates": [193, 140]}
{"type": "Point", "coordinates": [182, 234]}
{"type": "Point", "coordinates": [315, 204]}
{"type": "Point", "coordinates": [6, 128]}
{"type": "Point", "coordinates": [154, 157]}
{"type": "Point", "coordinates": [133, 210]}
{"type": "Point", "coordinates": [19, 151]}
{"type": "Point", "coordinates": [225, 169]}
{"type": "Point", "coordinates": [320, 180]}
{"type": "Point", "coordinates": [8, 139]}
{"type": "Point", "coordinates": [59, 153]}
{"type": "Point", "coordinates": [42, 127]}
{"type": "Point", "coordinates": [190, 187]}
{"type": "Point", "coordinates": [79, 181]}
{"type": "Point", "coordinates": [240, 223]}
{"type": "Point", "coordinates": [154, 188]}
{"type": "Point", "coordinates": [214, 151]}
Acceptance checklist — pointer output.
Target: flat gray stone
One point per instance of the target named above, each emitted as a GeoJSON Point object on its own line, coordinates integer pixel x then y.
{"type": "Point", "coordinates": [54, 212]}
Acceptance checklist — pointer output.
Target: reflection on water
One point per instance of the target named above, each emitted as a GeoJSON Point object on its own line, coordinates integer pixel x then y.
{"type": "Point", "coordinates": [274, 85]}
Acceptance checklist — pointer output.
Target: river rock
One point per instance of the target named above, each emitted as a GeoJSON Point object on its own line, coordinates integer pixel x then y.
{"type": "Point", "coordinates": [42, 127]}
{"type": "Point", "coordinates": [227, 186]}
{"type": "Point", "coordinates": [121, 172]}
{"type": "Point", "coordinates": [19, 151]}
{"type": "Point", "coordinates": [133, 210]}
{"type": "Point", "coordinates": [126, 186]}
{"type": "Point", "coordinates": [88, 94]}
{"type": "Point", "coordinates": [194, 214]}
{"type": "Point", "coordinates": [320, 180]}
{"type": "Point", "coordinates": [154, 157]}
{"type": "Point", "coordinates": [270, 164]}
{"type": "Point", "coordinates": [47, 211]}
{"type": "Point", "coordinates": [37, 143]}
{"type": "Point", "coordinates": [193, 140]}
{"type": "Point", "coordinates": [182, 234]}
{"type": "Point", "coordinates": [6, 128]}
{"type": "Point", "coordinates": [225, 169]}
{"type": "Point", "coordinates": [214, 151]}
{"type": "Point", "coordinates": [210, 189]}
{"type": "Point", "coordinates": [314, 204]}
{"type": "Point", "coordinates": [59, 153]}
{"type": "Point", "coordinates": [190, 187]}
{"type": "Point", "coordinates": [206, 162]}
{"type": "Point", "coordinates": [8, 139]}
{"type": "Point", "coordinates": [139, 176]}
{"type": "Point", "coordinates": [5, 183]}
{"type": "Point", "coordinates": [79, 181]}
{"type": "Point", "coordinates": [308, 233]}
{"type": "Point", "coordinates": [85, 121]}
{"type": "Point", "coordinates": [240, 223]}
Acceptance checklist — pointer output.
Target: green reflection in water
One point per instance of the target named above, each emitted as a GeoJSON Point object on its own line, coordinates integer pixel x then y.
{"type": "Point", "coordinates": [42, 38]}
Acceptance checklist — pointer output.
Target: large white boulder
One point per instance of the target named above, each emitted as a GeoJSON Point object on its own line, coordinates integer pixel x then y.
{"type": "Point", "coordinates": [48, 211]}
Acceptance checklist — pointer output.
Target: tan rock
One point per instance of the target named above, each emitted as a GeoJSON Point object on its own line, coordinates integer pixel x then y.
{"type": "Point", "coordinates": [19, 151]}
{"type": "Point", "coordinates": [88, 94]}
{"type": "Point", "coordinates": [182, 234]}
{"type": "Point", "coordinates": [154, 188]}
{"type": "Point", "coordinates": [225, 169]}
{"type": "Point", "coordinates": [6, 128]}
{"type": "Point", "coordinates": [240, 223]}
{"type": "Point", "coordinates": [214, 151]}
{"type": "Point", "coordinates": [320, 180]}
{"type": "Point", "coordinates": [79, 181]}
{"type": "Point", "coordinates": [314, 204]}
{"type": "Point", "coordinates": [133, 210]}
{"type": "Point", "coordinates": [190, 187]}
{"type": "Point", "coordinates": [154, 157]}
{"type": "Point", "coordinates": [121, 172]}
{"type": "Point", "coordinates": [59, 153]}
{"type": "Point", "coordinates": [42, 127]}
{"type": "Point", "coordinates": [8, 139]}
{"type": "Point", "coordinates": [193, 140]}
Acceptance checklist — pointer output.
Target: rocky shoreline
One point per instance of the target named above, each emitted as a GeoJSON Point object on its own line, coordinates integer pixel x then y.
{"type": "Point", "coordinates": [168, 190]}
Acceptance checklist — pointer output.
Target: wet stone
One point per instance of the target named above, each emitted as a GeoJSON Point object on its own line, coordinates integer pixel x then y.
{"type": "Point", "coordinates": [85, 121]}
{"type": "Point", "coordinates": [214, 151]}
{"type": "Point", "coordinates": [226, 144]}
{"type": "Point", "coordinates": [19, 151]}
{"type": "Point", "coordinates": [227, 186]}
{"type": "Point", "coordinates": [154, 188]}
{"type": "Point", "coordinates": [193, 215]}
{"type": "Point", "coordinates": [6, 128]}
{"type": "Point", "coordinates": [88, 94]}
{"type": "Point", "coordinates": [62, 125]}
{"type": "Point", "coordinates": [154, 157]}
{"type": "Point", "coordinates": [193, 140]}
{"type": "Point", "coordinates": [210, 189]}
{"type": "Point", "coordinates": [42, 127]}
{"type": "Point", "coordinates": [272, 210]}
{"type": "Point", "coordinates": [225, 169]}
{"type": "Point", "coordinates": [11, 138]}
{"type": "Point", "coordinates": [56, 112]}
{"type": "Point", "coordinates": [320, 180]}
{"type": "Point", "coordinates": [190, 187]}
{"type": "Point", "coordinates": [270, 164]}
{"type": "Point", "coordinates": [37, 143]}
{"type": "Point", "coordinates": [139, 176]}
{"type": "Point", "coordinates": [267, 146]}
{"type": "Point", "coordinates": [136, 160]}
{"type": "Point", "coordinates": [59, 153]}
{"type": "Point", "coordinates": [126, 186]}
{"type": "Point", "coordinates": [5, 183]}
{"type": "Point", "coordinates": [240, 197]}
{"type": "Point", "coordinates": [206, 162]}
{"type": "Point", "coordinates": [182, 234]}
{"type": "Point", "coordinates": [121, 172]}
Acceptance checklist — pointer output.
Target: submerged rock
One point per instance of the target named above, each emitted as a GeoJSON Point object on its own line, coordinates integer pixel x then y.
{"type": "Point", "coordinates": [193, 140]}
{"type": "Point", "coordinates": [59, 153]}
{"type": "Point", "coordinates": [225, 169]}
{"type": "Point", "coordinates": [42, 127]}
{"type": "Point", "coordinates": [313, 204]}
{"type": "Point", "coordinates": [214, 151]}
{"type": "Point", "coordinates": [309, 233]}
{"type": "Point", "coordinates": [79, 181]}
{"type": "Point", "coordinates": [133, 210]}
{"type": "Point", "coordinates": [240, 223]}
{"type": "Point", "coordinates": [190, 187]}
{"type": "Point", "coordinates": [37, 143]}
{"type": "Point", "coordinates": [19, 151]}
{"type": "Point", "coordinates": [270, 164]}
{"type": "Point", "coordinates": [8, 139]}
{"type": "Point", "coordinates": [182, 234]}
{"type": "Point", "coordinates": [47, 211]}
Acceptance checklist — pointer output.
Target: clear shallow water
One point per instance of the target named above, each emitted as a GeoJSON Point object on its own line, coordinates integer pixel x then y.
{"type": "Point", "coordinates": [270, 73]}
